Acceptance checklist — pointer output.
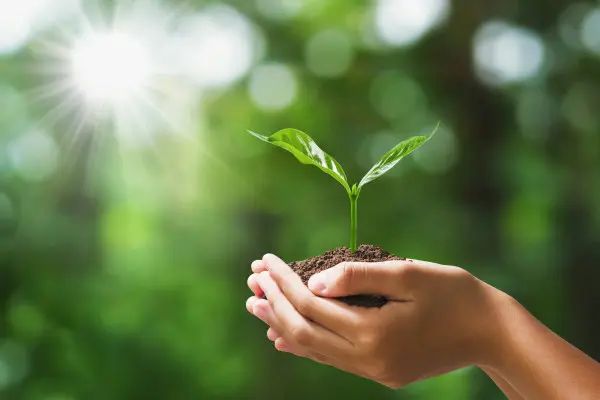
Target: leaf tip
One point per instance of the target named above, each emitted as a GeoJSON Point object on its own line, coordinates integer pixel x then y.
{"type": "Point", "coordinates": [437, 128]}
{"type": "Point", "coordinates": [258, 135]}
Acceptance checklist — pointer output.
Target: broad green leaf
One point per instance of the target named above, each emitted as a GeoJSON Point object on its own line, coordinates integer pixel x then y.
{"type": "Point", "coordinates": [307, 152]}
{"type": "Point", "coordinates": [392, 157]}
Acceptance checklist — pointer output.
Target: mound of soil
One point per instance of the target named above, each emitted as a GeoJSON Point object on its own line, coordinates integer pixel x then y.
{"type": "Point", "coordinates": [365, 253]}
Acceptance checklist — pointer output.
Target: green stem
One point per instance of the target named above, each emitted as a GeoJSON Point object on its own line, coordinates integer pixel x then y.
{"type": "Point", "coordinates": [353, 221]}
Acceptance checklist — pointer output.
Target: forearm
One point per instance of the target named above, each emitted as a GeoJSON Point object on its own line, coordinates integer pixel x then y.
{"type": "Point", "coordinates": [536, 362]}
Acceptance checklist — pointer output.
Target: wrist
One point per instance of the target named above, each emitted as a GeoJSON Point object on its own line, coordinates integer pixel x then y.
{"type": "Point", "coordinates": [496, 325]}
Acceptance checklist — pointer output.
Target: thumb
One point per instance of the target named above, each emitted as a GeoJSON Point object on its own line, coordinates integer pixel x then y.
{"type": "Point", "coordinates": [352, 278]}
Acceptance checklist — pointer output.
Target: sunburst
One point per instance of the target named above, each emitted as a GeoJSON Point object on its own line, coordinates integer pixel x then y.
{"type": "Point", "coordinates": [110, 67]}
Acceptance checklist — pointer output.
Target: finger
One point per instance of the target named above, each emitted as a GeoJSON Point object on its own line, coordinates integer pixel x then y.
{"type": "Point", "coordinates": [286, 320]}
{"type": "Point", "coordinates": [352, 278]}
{"type": "Point", "coordinates": [262, 310]}
{"type": "Point", "coordinates": [254, 286]}
{"type": "Point", "coordinates": [258, 266]}
{"type": "Point", "coordinates": [332, 315]}
{"type": "Point", "coordinates": [280, 343]}
{"type": "Point", "coordinates": [283, 346]}
{"type": "Point", "coordinates": [250, 303]}
{"type": "Point", "coordinates": [273, 335]}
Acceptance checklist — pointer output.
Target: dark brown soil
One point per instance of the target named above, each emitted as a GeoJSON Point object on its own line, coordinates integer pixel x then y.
{"type": "Point", "coordinates": [365, 253]}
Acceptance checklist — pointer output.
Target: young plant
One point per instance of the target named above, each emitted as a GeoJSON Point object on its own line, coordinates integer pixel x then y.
{"type": "Point", "coordinates": [307, 152]}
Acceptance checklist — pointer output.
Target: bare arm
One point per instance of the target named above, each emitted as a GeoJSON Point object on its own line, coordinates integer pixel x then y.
{"type": "Point", "coordinates": [537, 362]}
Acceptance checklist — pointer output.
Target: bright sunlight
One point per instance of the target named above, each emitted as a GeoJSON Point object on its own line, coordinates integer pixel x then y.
{"type": "Point", "coordinates": [110, 67]}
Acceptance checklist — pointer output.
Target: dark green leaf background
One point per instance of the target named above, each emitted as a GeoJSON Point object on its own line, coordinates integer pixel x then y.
{"type": "Point", "coordinates": [125, 245]}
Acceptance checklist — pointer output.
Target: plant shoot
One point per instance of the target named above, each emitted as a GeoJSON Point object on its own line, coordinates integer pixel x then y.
{"type": "Point", "coordinates": [304, 148]}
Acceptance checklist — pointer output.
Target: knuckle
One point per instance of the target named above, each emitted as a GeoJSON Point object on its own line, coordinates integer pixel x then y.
{"type": "Point", "coordinates": [301, 334]}
{"type": "Point", "coordinates": [409, 272]}
{"type": "Point", "coordinates": [353, 273]}
{"type": "Point", "coordinates": [462, 273]}
{"type": "Point", "coordinates": [467, 280]}
{"type": "Point", "coordinates": [305, 305]}
{"type": "Point", "coordinates": [409, 268]}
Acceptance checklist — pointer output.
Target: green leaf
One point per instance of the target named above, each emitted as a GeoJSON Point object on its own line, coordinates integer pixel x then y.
{"type": "Point", "coordinates": [392, 157]}
{"type": "Point", "coordinates": [304, 148]}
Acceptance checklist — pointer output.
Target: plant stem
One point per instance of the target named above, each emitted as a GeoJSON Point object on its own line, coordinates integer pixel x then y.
{"type": "Point", "coordinates": [353, 221]}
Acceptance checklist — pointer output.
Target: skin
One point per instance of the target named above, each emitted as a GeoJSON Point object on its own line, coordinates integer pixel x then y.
{"type": "Point", "coordinates": [440, 318]}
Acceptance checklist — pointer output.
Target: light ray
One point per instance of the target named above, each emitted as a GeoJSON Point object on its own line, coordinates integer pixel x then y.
{"type": "Point", "coordinates": [101, 68]}
{"type": "Point", "coordinates": [121, 72]}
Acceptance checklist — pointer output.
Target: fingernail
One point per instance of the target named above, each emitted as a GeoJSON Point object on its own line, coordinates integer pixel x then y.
{"type": "Point", "coordinates": [316, 284]}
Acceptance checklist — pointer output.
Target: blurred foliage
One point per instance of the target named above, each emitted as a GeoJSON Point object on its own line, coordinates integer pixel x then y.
{"type": "Point", "coordinates": [124, 255]}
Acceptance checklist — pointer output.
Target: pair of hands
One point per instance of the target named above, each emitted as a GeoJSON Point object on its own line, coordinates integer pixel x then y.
{"type": "Point", "coordinates": [439, 318]}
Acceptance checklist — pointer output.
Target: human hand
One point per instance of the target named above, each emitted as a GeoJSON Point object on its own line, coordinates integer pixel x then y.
{"type": "Point", "coordinates": [439, 318]}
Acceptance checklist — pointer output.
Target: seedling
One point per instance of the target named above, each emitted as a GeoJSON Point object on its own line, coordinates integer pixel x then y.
{"type": "Point", "coordinates": [304, 148]}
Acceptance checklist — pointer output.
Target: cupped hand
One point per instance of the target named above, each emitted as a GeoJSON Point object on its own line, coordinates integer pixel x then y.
{"type": "Point", "coordinates": [439, 318]}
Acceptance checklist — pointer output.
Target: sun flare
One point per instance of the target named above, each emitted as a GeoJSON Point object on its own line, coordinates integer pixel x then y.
{"type": "Point", "coordinates": [110, 66]}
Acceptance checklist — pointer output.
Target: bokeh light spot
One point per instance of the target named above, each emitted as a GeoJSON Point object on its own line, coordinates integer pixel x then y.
{"type": "Point", "coordinates": [395, 95]}
{"type": "Point", "coordinates": [33, 156]}
{"type": "Point", "coordinates": [329, 53]}
{"type": "Point", "coordinates": [590, 31]}
{"type": "Point", "coordinates": [440, 154]}
{"type": "Point", "coordinates": [403, 22]}
{"type": "Point", "coordinates": [273, 87]}
{"type": "Point", "coordinates": [17, 21]}
{"type": "Point", "coordinates": [20, 20]}
{"type": "Point", "coordinates": [570, 23]}
{"type": "Point", "coordinates": [506, 54]}
{"type": "Point", "coordinates": [217, 47]}
{"type": "Point", "coordinates": [14, 363]}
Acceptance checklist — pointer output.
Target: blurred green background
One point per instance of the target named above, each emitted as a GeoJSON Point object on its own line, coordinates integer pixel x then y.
{"type": "Point", "coordinates": [132, 201]}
